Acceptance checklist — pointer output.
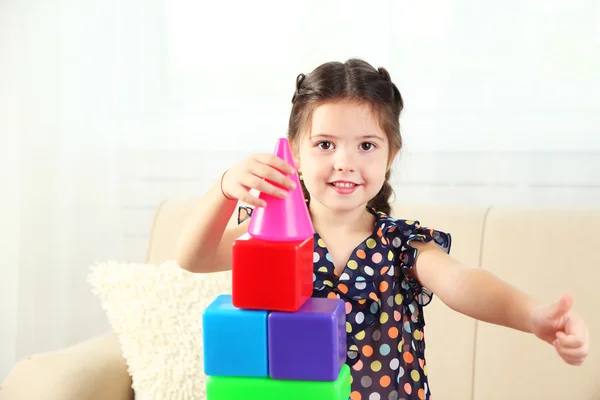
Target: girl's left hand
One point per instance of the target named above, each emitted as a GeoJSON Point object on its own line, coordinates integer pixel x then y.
{"type": "Point", "coordinates": [557, 325]}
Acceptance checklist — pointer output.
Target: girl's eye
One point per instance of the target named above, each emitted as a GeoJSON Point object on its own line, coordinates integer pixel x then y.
{"type": "Point", "coordinates": [324, 145]}
{"type": "Point", "coordinates": [367, 146]}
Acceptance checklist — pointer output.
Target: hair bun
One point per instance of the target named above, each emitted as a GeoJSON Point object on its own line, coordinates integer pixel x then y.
{"type": "Point", "coordinates": [299, 80]}
{"type": "Point", "coordinates": [384, 72]}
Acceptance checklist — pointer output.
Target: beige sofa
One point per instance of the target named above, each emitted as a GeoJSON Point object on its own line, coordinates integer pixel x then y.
{"type": "Point", "coordinates": [545, 252]}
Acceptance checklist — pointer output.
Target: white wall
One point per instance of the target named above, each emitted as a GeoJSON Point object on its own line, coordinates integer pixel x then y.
{"type": "Point", "coordinates": [500, 76]}
{"type": "Point", "coordinates": [476, 76]}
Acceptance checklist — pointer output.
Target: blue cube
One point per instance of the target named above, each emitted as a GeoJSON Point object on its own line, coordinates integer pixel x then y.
{"type": "Point", "coordinates": [235, 340]}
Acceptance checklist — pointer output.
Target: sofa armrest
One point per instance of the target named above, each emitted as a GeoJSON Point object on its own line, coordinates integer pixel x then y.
{"type": "Point", "coordinates": [90, 370]}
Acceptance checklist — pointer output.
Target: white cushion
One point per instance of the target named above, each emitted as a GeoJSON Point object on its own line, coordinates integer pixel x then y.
{"type": "Point", "coordinates": [156, 312]}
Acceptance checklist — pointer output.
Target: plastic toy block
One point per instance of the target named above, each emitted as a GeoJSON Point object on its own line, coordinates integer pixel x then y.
{"type": "Point", "coordinates": [309, 344]}
{"type": "Point", "coordinates": [235, 340]}
{"type": "Point", "coordinates": [271, 276]}
{"type": "Point", "coordinates": [282, 219]}
{"type": "Point", "coordinates": [233, 388]}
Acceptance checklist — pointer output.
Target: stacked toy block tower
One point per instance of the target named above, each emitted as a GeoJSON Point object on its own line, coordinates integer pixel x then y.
{"type": "Point", "coordinates": [270, 339]}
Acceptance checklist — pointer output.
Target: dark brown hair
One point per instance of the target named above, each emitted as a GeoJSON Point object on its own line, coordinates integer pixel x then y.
{"type": "Point", "coordinates": [354, 80]}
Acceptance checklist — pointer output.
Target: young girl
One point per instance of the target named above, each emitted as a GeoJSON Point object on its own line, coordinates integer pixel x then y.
{"type": "Point", "coordinates": [344, 132]}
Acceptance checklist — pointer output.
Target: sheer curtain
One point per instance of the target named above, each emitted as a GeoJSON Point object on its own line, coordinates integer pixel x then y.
{"type": "Point", "coordinates": [85, 84]}
{"type": "Point", "coordinates": [75, 78]}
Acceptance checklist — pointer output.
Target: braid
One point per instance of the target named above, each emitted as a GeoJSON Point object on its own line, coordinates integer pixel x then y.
{"type": "Point", "coordinates": [381, 200]}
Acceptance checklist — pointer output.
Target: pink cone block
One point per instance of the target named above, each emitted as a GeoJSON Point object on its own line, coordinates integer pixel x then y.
{"type": "Point", "coordinates": [282, 219]}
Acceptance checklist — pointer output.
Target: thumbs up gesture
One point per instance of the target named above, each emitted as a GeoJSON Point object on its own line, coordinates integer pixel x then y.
{"type": "Point", "coordinates": [557, 325]}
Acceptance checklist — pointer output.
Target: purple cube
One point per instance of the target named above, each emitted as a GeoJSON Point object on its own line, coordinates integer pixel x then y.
{"type": "Point", "coordinates": [309, 344]}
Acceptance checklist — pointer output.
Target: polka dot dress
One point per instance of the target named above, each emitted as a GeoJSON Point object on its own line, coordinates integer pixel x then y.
{"type": "Point", "coordinates": [386, 346]}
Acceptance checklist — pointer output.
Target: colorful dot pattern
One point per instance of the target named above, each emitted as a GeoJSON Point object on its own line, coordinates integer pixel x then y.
{"type": "Point", "coordinates": [384, 307]}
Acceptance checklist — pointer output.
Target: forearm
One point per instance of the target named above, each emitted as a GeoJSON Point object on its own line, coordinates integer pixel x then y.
{"type": "Point", "coordinates": [483, 296]}
{"type": "Point", "coordinates": [200, 239]}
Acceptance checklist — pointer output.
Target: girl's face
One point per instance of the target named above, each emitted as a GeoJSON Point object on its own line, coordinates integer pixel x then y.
{"type": "Point", "coordinates": [344, 157]}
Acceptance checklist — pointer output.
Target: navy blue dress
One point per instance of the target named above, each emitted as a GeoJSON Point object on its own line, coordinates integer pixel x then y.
{"type": "Point", "coordinates": [384, 307]}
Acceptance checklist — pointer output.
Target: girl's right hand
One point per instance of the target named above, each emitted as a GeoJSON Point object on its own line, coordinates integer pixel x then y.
{"type": "Point", "coordinates": [253, 173]}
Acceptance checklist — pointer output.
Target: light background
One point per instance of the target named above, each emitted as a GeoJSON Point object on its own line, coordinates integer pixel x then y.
{"type": "Point", "coordinates": [106, 108]}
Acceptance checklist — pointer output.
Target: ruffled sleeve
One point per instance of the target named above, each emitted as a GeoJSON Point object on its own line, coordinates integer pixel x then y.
{"type": "Point", "coordinates": [403, 233]}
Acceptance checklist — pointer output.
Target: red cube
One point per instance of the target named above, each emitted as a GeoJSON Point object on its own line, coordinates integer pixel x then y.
{"type": "Point", "coordinates": [269, 275]}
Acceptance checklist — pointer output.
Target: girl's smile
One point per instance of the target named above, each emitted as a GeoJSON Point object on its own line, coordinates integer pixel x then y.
{"type": "Point", "coordinates": [344, 187]}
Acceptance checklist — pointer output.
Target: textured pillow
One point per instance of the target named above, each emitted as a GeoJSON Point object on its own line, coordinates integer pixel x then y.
{"type": "Point", "coordinates": [156, 311]}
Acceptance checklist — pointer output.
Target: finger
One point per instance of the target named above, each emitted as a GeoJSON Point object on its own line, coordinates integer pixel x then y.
{"type": "Point", "coordinates": [276, 162]}
{"type": "Point", "coordinates": [273, 175]}
{"type": "Point", "coordinates": [572, 352]}
{"type": "Point", "coordinates": [241, 192]}
{"type": "Point", "coordinates": [252, 200]}
{"type": "Point", "coordinates": [265, 187]}
{"type": "Point", "coordinates": [561, 307]}
{"type": "Point", "coordinates": [256, 182]}
{"type": "Point", "coordinates": [574, 356]}
{"type": "Point", "coordinates": [574, 324]}
{"type": "Point", "coordinates": [573, 359]}
{"type": "Point", "coordinates": [569, 341]}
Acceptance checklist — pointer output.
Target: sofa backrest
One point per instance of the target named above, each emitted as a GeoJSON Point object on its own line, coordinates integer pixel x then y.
{"type": "Point", "coordinates": [169, 219]}
{"type": "Point", "coordinates": [544, 252]}
{"type": "Point", "coordinates": [449, 335]}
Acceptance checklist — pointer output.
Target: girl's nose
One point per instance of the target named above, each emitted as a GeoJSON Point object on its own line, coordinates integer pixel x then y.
{"type": "Point", "coordinates": [344, 162]}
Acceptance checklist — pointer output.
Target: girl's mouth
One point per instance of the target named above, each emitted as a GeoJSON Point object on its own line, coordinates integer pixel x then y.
{"type": "Point", "coordinates": [344, 184]}
{"type": "Point", "coordinates": [343, 187]}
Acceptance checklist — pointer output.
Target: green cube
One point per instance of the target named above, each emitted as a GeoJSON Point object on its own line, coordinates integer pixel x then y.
{"type": "Point", "coordinates": [247, 388]}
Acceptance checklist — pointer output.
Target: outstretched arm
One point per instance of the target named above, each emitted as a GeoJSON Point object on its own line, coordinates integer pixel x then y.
{"type": "Point", "coordinates": [479, 294]}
